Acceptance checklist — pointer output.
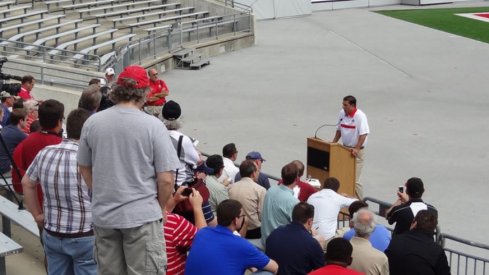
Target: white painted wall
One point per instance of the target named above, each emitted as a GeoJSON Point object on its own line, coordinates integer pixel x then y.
{"type": "Point", "coordinates": [270, 9]}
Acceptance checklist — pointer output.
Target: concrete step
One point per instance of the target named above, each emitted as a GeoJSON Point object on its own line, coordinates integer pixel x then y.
{"type": "Point", "coordinates": [200, 65]}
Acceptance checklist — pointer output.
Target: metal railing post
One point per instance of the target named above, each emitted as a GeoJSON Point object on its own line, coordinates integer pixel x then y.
{"type": "Point", "coordinates": [181, 33]}
{"type": "Point", "coordinates": [139, 52]}
{"type": "Point", "coordinates": [154, 45]}
{"type": "Point", "coordinates": [168, 38]}
{"type": "Point", "coordinates": [198, 33]}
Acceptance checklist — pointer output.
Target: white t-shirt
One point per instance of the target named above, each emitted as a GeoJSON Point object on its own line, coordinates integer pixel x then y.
{"type": "Point", "coordinates": [189, 157]}
{"type": "Point", "coordinates": [230, 170]}
{"type": "Point", "coordinates": [351, 127]}
{"type": "Point", "coordinates": [327, 204]}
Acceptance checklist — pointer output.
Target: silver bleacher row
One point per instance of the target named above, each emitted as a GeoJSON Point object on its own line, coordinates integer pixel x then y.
{"type": "Point", "coordinates": [49, 29]}
{"type": "Point", "coordinates": [10, 212]}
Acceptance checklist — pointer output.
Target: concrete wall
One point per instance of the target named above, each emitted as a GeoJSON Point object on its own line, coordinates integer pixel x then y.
{"type": "Point", "coordinates": [324, 6]}
{"type": "Point", "coordinates": [271, 9]}
{"type": "Point", "coordinates": [230, 44]}
{"type": "Point", "coordinates": [68, 97]}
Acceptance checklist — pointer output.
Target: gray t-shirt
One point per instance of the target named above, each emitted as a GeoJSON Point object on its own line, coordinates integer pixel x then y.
{"type": "Point", "coordinates": [126, 148]}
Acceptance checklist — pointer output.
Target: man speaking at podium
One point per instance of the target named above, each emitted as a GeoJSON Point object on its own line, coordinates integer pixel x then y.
{"type": "Point", "coordinates": [353, 129]}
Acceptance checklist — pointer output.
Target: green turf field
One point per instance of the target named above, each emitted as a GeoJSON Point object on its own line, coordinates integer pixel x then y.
{"type": "Point", "coordinates": [446, 20]}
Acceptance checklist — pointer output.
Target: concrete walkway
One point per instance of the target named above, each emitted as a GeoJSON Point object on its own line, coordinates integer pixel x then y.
{"type": "Point", "coordinates": [424, 92]}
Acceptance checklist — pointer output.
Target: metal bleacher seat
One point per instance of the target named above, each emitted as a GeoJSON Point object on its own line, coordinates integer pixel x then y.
{"type": "Point", "coordinates": [204, 20]}
{"type": "Point", "coordinates": [7, 247]}
{"type": "Point", "coordinates": [91, 4]}
{"type": "Point", "coordinates": [7, 3]}
{"type": "Point", "coordinates": [10, 212]}
{"type": "Point", "coordinates": [75, 42]}
{"type": "Point", "coordinates": [201, 25]}
{"type": "Point", "coordinates": [83, 53]}
{"type": "Point", "coordinates": [56, 37]}
{"type": "Point", "coordinates": [133, 11]}
{"type": "Point", "coordinates": [57, 2]}
{"type": "Point", "coordinates": [37, 32]}
{"type": "Point", "coordinates": [158, 28]}
{"type": "Point", "coordinates": [22, 17]}
{"type": "Point", "coordinates": [39, 23]}
{"type": "Point", "coordinates": [9, 10]}
{"type": "Point", "coordinates": [125, 5]}
{"type": "Point", "coordinates": [160, 15]}
{"type": "Point", "coordinates": [106, 57]}
{"type": "Point", "coordinates": [155, 22]}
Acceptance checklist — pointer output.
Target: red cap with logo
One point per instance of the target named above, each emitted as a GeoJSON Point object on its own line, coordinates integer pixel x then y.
{"type": "Point", "coordinates": [136, 73]}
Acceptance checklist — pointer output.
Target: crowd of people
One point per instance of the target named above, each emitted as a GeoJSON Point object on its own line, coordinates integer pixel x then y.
{"type": "Point", "coordinates": [118, 188]}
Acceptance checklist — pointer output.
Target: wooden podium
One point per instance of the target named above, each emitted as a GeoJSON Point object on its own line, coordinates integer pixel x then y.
{"type": "Point", "coordinates": [327, 159]}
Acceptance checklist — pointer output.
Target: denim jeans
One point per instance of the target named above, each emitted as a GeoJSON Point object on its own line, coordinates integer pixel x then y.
{"type": "Point", "coordinates": [69, 256]}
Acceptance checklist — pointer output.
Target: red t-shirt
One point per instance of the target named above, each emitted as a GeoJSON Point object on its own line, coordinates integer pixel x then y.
{"type": "Point", "coordinates": [156, 88]}
{"type": "Point", "coordinates": [179, 234]}
{"type": "Point", "coordinates": [306, 190]}
{"type": "Point", "coordinates": [24, 94]}
{"type": "Point", "coordinates": [25, 153]}
{"type": "Point", "coordinates": [333, 269]}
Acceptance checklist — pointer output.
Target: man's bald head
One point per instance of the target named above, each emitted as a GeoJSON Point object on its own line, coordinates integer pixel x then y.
{"type": "Point", "coordinates": [363, 223]}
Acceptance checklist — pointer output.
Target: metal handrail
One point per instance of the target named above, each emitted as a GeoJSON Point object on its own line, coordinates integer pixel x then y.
{"type": "Point", "coordinates": [236, 5]}
{"type": "Point", "coordinates": [38, 70]}
{"type": "Point", "coordinates": [150, 46]}
{"type": "Point", "coordinates": [39, 52]}
{"type": "Point", "coordinates": [465, 241]}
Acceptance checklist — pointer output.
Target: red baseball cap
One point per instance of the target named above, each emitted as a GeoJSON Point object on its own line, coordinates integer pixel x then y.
{"type": "Point", "coordinates": [136, 73]}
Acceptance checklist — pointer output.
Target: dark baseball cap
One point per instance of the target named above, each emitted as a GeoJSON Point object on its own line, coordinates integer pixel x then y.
{"type": "Point", "coordinates": [254, 155]}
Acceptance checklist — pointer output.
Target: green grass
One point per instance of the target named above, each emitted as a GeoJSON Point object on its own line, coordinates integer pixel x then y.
{"type": "Point", "coordinates": [446, 20]}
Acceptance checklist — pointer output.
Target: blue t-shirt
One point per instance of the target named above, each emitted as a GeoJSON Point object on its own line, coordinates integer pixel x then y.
{"type": "Point", "coordinates": [12, 136]}
{"type": "Point", "coordinates": [216, 250]}
{"type": "Point", "coordinates": [6, 115]}
{"type": "Point", "coordinates": [380, 237]}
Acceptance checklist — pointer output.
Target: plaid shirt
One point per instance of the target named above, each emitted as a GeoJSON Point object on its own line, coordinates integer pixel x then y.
{"type": "Point", "coordinates": [66, 204]}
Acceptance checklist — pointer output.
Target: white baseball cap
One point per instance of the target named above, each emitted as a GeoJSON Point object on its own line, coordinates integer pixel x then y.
{"type": "Point", "coordinates": [109, 71]}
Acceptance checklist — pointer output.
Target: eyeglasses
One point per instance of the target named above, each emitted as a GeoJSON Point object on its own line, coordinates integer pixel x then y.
{"type": "Point", "coordinates": [154, 74]}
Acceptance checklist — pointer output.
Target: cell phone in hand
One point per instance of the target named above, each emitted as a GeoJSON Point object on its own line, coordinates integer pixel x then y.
{"type": "Point", "coordinates": [186, 192]}
{"type": "Point", "coordinates": [401, 189]}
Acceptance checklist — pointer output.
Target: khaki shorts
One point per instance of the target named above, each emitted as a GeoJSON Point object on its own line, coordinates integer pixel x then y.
{"type": "Point", "coordinates": [132, 251]}
{"type": "Point", "coordinates": [154, 110]}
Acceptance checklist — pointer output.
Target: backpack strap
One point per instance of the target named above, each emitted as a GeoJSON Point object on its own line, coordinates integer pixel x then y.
{"type": "Point", "coordinates": [179, 151]}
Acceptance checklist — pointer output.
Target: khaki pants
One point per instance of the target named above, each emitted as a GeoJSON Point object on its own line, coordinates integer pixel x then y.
{"type": "Point", "coordinates": [358, 170]}
{"type": "Point", "coordinates": [154, 110]}
{"type": "Point", "coordinates": [131, 251]}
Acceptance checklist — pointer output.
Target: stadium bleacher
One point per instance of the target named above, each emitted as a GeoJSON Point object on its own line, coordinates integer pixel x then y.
{"type": "Point", "coordinates": [64, 30]}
